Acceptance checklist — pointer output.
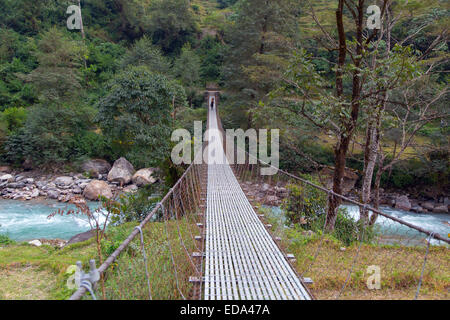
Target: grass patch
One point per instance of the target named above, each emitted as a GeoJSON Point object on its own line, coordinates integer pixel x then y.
{"type": "Point", "coordinates": [46, 267]}
{"type": "Point", "coordinates": [328, 262]}
{"type": "Point", "coordinates": [126, 279]}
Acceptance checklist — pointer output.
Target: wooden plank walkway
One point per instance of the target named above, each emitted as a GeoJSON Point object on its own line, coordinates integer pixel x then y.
{"type": "Point", "coordinates": [242, 260]}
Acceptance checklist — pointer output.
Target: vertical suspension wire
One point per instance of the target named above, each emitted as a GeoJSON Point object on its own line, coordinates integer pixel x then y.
{"type": "Point", "coordinates": [180, 237]}
{"type": "Point", "coordinates": [423, 267]}
{"type": "Point", "coordinates": [145, 262]}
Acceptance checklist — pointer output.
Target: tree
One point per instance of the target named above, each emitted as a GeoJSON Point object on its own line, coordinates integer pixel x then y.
{"type": "Point", "coordinates": [187, 70]}
{"type": "Point", "coordinates": [52, 134]}
{"type": "Point", "coordinates": [136, 115]}
{"type": "Point", "coordinates": [145, 53]}
{"type": "Point", "coordinates": [392, 72]}
{"type": "Point", "coordinates": [171, 24]}
{"type": "Point", "coordinates": [57, 77]}
{"type": "Point", "coordinates": [258, 44]}
{"type": "Point", "coordinates": [309, 93]}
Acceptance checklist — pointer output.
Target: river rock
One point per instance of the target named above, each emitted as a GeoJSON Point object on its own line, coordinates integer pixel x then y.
{"type": "Point", "coordinates": [53, 194]}
{"type": "Point", "coordinates": [121, 172]}
{"type": "Point", "coordinates": [63, 182]}
{"type": "Point", "coordinates": [97, 188]}
{"type": "Point", "coordinates": [144, 177]}
{"type": "Point", "coordinates": [77, 190]}
{"type": "Point", "coordinates": [81, 237]}
{"type": "Point", "coordinates": [272, 200]}
{"type": "Point", "coordinates": [417, 209]}
{"type": "Point", "coordinates": [35, 193]}
{"type": "Point", "coordinates": [441, 209]}
{"type": "Point", "coordinates": [96, 167]}
{"type": "Point", "coordinates": [7, 177]}
{"type": "Point", "coordinates": [428, 205]}
{"type": "Point", "coordinates": [16, 185]}
{"type": "Point", "coordinates": [402, 203]}
{"type": "Point", "coordinates": [130, 189]}
{"type": "Point", "coordinates": [36, 243]}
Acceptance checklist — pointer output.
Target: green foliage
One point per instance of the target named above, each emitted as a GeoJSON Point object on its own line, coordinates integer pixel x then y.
{"type": "Point", "coordinates": [5, 240]}
{"type": "Point", "coordinates": [187, 66]}
{"type": "Point", "coordinates": [14, 118]}
{"type": "Point", "coordinates": [171, 24]}
{"type": "Point", "coordinates": [145, 53]}
{"type": "Point", "coordinates": [57, 77]}
{"type": "Point", "coordinates": [306, 208]}
{"type": "Point", "coordinates": [211, 52]}
{"type": "Point", "coordinates": [136, 115]}
{"type": "Point", "coordinates": [226, 3]}
{"type": "Point", "coordinates": [116, 235]}
{"type": "Point", "coordinates": [134, 207]}
{"type": "Point", "coordinates": [259, 39]}
{"type": "Point", "coordinates": [50, 135]}
{"type": "Point", "coordinates": [304, 205]}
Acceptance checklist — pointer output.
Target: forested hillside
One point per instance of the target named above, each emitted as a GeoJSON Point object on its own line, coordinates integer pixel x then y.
{"type": "Point", "coordinates": [141, 70]}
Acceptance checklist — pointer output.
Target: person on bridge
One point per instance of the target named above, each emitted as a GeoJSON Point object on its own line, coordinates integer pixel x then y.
{"type": "Point", "coordinates": [212, 103]}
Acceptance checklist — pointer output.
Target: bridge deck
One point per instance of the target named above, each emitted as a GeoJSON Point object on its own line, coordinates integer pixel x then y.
{"type": "Point", "coordinates": [242, 260]}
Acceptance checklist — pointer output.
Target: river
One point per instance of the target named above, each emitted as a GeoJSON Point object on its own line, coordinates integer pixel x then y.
{"type": "Point", "coordinates": [21, 220]}
{"type": "Point", "coordinates": [28, 220]}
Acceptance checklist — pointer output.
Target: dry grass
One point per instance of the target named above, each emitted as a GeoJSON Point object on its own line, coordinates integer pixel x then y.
{"type": "Point", "coordinates": [400, 270]}
{"type": "Point", "coordinates": [26, 283]}
{"type": "Point", "coordinates": [331, 265]}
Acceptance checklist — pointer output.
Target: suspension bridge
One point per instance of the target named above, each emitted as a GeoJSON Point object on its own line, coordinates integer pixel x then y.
{"type": "Point", "coordinates": [218, 247]}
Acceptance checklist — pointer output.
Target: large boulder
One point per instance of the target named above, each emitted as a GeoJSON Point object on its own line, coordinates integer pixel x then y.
{"type": "Point", "coordinates": [121, 172]}
{"type": "Point", "coordinates": [144, 177]}
{"type": "Point", "coordinates": [63, 182]}
{"type": "Point", "coordinates": [7, 177]}
{"type": "Point", "coordinates": [96, 167]}
{"type": "Point", "coordinates": [428, 205]}
{"type": "Point", "coordinates": [441, 209]}
{"type": "Point", "coordinates": [402, 203]}
{"type": "Point", "coordinates": [97, 188]}
{"type": "Point", "coordinates": [81, 237]}
{"type": "Point", "coordinates": [53, 194]}
{"type": "Point", "coordinates": [36, 243]}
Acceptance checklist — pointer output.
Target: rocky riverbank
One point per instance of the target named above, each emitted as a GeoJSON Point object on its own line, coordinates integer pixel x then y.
{"type": "Point", "coordinates": [273, 196]}
{"type": "Point", "coordinates": [98, 178]}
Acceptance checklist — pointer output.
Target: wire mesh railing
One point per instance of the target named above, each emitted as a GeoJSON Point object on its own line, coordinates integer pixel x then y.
{"type": "Point", "coordinates": [378, 257]}
{"type": "Point", "coordinates": [158, 257]}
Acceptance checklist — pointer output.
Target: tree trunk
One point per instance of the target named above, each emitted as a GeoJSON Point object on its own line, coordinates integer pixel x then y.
{"type": "Point", "coordinates": [370, 158]}
{"type": "Point", "coordinates": [348, 124]}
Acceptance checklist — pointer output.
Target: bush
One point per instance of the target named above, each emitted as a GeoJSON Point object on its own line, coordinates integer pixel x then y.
{"type": "Point", "coordinates": [133, 207]}
{"type": "Point", "coordinates": [136, 116]}
{"type": "Point", "coordinates": [52, 134]}
{"type": "Point", "coordinates": [14, 118]}
{"type": "Point", "coordinates": [306, 207]}
{"type": "Point", "coordinates": [5, 240]}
